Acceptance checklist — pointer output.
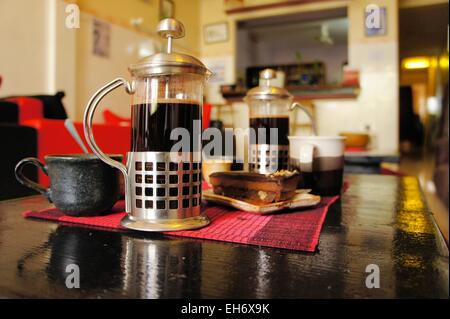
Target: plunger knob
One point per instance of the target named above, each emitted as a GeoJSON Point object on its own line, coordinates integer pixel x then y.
{"type": "Point", "coordinates": [267, 75]}
{"type": "Point", "coordinates": [170, 29]}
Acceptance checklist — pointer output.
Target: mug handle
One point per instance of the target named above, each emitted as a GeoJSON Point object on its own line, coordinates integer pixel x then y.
{"type": "Point", "coordinates": [87, 123]}
{"type": "Point", "coordinates": [306, 157]}
{"type": "Point", "coordinates": [307, 112]}
{"type": "Point", "coordinates": [25, 181]}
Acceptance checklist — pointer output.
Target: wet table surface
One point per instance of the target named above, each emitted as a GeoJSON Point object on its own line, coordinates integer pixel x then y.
{"type": "Point", "coordinates": [380, 220]}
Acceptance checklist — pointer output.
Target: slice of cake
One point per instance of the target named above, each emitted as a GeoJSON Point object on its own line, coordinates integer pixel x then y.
{"type": "Point", "coordinates": [254, 188]}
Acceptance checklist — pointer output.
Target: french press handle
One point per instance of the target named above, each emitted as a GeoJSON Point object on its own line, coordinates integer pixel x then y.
{"type": "Point", "coordinates": [295, 105]}
{"type": "Point", "coordinates": [88, 133]}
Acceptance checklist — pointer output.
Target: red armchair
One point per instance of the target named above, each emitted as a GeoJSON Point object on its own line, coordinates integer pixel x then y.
{"type": "Point", "coordinates": [114, 137]}
{"type": "Point", "coordinates": [114, 119]}
{"type": "Point", "coordinates": [29, 108]}
{"type": "Point", "coordinates": [35, 127]}
{"type": "Point", "coordinates": [53, 138]}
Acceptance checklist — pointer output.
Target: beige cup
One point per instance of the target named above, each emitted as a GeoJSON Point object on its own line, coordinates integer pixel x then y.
{"type": "Point", "coordinates": [215, 165]}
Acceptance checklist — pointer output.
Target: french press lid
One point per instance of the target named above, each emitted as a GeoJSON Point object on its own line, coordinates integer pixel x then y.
{"type": "Point", "coordinates": [265, 91]}
{"type": "Point", "coordinates": [169, 62]}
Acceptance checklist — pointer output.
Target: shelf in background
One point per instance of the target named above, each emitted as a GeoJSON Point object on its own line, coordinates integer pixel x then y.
{"type": "Point", "coordinates": [301, 92]}
{"type": "Point", "coordinates": [281, 4]}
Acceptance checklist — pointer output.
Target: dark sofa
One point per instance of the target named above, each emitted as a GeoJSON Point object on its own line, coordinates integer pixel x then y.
{"type": "Point", "coordinates": [17, 142]}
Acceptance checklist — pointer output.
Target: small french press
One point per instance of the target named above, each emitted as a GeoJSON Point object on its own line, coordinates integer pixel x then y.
{"type": "Point", "coordinates": [269, 108]}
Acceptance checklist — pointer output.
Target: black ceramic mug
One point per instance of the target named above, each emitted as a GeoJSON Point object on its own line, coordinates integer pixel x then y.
{"type": "Point", "coordinates": [80, 184]}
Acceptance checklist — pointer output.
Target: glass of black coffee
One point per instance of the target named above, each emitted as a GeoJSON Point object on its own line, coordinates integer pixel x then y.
{"type": "Point", "coordinates": [320, 161]}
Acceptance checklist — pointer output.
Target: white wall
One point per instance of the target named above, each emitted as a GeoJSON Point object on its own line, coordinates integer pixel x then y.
{"type": "Point", "coordinates": [377, 104]}
{"type": "Point", "coordinates": [64, 59]}
{"type": "Point", "coordinates": [37, 55]}
{"type": "Point", "coordinates": [40, 55]}
{"type": "Point", "coordinates": [23, 52]}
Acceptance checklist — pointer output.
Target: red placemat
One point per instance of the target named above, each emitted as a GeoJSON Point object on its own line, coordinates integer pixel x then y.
{"type": "Point", "coordinates": [297, 230]}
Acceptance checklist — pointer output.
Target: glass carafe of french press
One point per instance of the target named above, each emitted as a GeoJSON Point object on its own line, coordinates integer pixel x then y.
{"type": "Point", "coordinates": [163, 170]}
{"type": "Point", "coordinates": [269, 108]}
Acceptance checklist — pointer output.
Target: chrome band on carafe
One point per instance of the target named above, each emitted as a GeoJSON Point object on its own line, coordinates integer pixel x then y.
{"type": "Point", "coordinates": [268, 158]}
{"type": "Point", "coordinates": [164, 185]}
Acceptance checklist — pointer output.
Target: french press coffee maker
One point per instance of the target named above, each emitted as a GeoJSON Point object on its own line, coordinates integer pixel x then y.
{"type": "Point", "coordinates": [269, 108]}
{"type": "Point", "coordinates": [163, 171]}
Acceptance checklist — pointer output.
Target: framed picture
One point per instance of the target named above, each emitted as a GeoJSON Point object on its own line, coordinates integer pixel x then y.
{"type": "Point", "coordinates": [216, 32]}
{"type": "Point", "coordinates": [166, 9]}
{"type": "Point", "coordinates": [101, 38]}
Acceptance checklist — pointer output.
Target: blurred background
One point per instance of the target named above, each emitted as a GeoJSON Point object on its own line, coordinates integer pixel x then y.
{"type": "Point", "coordinates": [381, 80]}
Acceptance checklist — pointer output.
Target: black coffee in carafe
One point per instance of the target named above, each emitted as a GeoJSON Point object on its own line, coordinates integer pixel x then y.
{"type": "Point", "coordinates": [264, 126]}
{"type": "Point", "coordinates": [269, 144]}
{"type": "Point", "coordinates": [153, 124]}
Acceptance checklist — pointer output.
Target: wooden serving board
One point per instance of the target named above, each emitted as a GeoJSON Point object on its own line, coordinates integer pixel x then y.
{"type": "Point", "coordinates": [302, 199]}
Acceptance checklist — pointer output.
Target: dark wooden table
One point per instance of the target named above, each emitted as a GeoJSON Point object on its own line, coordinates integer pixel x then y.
{"type": "Point", "coordinates": [380, 220]}
{"type": "Point", "coordinates": [369, 162]}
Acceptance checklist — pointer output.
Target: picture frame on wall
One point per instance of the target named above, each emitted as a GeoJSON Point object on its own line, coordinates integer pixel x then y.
{"type": "Point", "coordinates": [215, 32]}
{"type": "Point", "coordinates": [101, 36]}
{"type": "Point", "coordinates": [166, 9]}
